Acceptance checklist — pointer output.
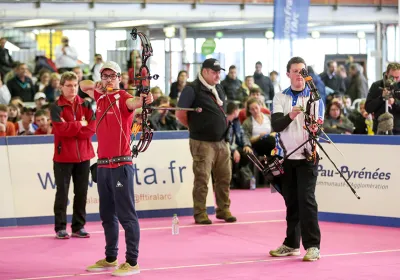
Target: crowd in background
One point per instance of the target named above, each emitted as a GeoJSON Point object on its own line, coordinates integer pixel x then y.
{"type": "Point", "coordinates": [350, 107]}
{"type": "Point", "coordinates": [28, 93]}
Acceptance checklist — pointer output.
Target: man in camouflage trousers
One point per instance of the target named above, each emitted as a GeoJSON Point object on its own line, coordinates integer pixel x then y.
{"type": "Point", "coordinates": [209, 149]}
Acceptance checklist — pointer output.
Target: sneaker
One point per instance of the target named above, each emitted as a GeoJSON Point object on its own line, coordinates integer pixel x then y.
{"type": "Point", "coordinates": [312, 254]}
{"type": "Point", "coordinates": [126, 269]}
{"type": "Point", "coordinates": [284, 251]}
{"type": "Point", "coordinates": [62, 234]}
{"type": "Point", "coordinates": [103, 265]}
{"type": "Point", "coordinates": [82, 233]}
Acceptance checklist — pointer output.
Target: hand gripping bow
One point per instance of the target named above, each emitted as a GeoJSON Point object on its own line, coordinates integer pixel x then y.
{"type": "Point", "coordinates": [142, 81]}
{"type": "Point", "coordinates": [273, 166]}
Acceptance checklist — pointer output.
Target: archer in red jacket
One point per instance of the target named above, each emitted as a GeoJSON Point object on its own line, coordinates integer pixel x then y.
{"type": "Point", "coordinates": [73, 123]}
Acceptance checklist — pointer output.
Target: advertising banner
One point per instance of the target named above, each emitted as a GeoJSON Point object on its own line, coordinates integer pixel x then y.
{"type": "Point", "coordinates": [370, 169]}
{"type": "Point", "coordinates": [290, 19]}
{"type": "Point", "coordinates": [6, 190]}
{"type": "Point", "coordinates": [163, 179]}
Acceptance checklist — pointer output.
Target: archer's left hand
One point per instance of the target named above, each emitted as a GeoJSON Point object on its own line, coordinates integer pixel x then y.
{"type": "Point", "coordinates": [148, 98]}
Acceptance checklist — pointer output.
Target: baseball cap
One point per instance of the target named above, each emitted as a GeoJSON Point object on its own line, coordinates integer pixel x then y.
{"type": "Point", "coordinates": [213, 64]}
{"type": "Point", "coordinates": [39, 95]}
{"type": "Point", "coordinates": [111, 65]}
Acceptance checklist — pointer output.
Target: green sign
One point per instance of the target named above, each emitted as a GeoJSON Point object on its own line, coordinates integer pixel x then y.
{"type": "Point", "coordinates": [208, 47]}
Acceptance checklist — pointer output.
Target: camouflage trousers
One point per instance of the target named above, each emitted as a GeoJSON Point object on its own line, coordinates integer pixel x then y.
{"type": "Point", "coordinates": [211, 158]}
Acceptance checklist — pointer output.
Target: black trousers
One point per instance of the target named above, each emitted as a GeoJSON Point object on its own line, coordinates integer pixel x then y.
{"type": "Point", "coordinates": [117, 203]}
{"type": "Point", "coordinates": [80, 177]}
{"type": "Point", "coordinates": [298, 187]}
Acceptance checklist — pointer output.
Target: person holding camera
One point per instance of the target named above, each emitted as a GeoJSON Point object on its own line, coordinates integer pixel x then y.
{"type": "Point", "coordinates": [208, 140]}
{"type": "Point", "coordinates": [66, 56]}
{"type": "Point", "coordinates": [73, 124]}
{"type": "Point", "coordinates": [387, 90]}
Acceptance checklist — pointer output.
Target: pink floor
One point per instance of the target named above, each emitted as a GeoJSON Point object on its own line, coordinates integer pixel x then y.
{"type": "Point", "coordinates": [219, 251]}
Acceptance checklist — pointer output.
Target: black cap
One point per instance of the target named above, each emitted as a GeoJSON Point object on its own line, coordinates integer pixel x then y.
{"type": "Point", "coordinates": [213, 64]}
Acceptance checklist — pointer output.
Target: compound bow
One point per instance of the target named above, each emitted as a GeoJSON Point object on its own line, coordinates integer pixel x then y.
{"type": "Point", "coordinates": [273, 166]}
{"type": "Point", "coordinates": [143, 79]}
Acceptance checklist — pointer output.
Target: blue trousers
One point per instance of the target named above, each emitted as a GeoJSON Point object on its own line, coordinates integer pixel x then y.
{"type": "Point", "coordinates": [117, 203]}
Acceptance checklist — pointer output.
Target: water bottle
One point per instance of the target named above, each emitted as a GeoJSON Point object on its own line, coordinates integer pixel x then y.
{"type": "Point", "coordinates": [175, 225]}
{"type": "Point", "coordinates": [253, 183]}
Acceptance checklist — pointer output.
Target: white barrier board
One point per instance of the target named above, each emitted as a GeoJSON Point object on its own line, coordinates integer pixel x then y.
{"type": "Point", "coordinates": [372, 170]}
{"type": "Point", "coordinates": [163, 179]}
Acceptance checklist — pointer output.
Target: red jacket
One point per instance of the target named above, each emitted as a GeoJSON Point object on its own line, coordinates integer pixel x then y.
{"type": "Point", "coordinates": [72, 141]}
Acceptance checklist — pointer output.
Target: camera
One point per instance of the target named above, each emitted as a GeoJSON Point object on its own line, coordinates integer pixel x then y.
{"type": "Point", "coordinates": [393, 87]}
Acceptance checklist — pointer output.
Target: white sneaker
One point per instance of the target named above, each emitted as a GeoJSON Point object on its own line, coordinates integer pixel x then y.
{"type": "Point", "coordinates": [312, 255]}
{"type": "Point", "coordinates": [284, 251]}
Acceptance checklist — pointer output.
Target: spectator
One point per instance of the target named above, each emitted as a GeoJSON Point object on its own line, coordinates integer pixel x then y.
{"type": "Point", "coordinates": [363, 123]}
{"type": "Point", "coordinates": [21, 85]}
{"type": "Point", "coordinates": [263, 82]}
{"type": "Point", "coordinates": [247, 85]}
{"type": "Point", "coordinates": [6, 61]}
{"type": "Point", "coordinates": [14, 113]}
{"type": "Point", "coordinates": [25, 125]}
{"type": "Point", "coordinates": [6, 128]}
{"type": "Point", "coordinates": [331, 79]}
{"type": "Point", "coordinates": [319, 84]}
{"type": "Point", "coordinates": [254, 93]}
{"type": "Point", "coordinates": [163, 119]}
{"type": "Point", "coordinates": [98, 63]}
{"type": "Point", "coordinates": [52, 90]}
{"type": "Point", "coordinates": [376, 104]}
{"type": "Point", "coordinates": [231, 85]}
{"type": "Point", "coordinates": [41, 120]}
{"type": "Point", "coordinates": [5, 95]}
{"type": "Point", "coordinates": [73, 126]}
{"type": "Point", "coordinates": [40, 100]}
{"type": "Point", "coordinates": [358, 83]}
{"type": "Point", "coordinates": [44, 78]}
{"type": "Point", "coordinates": [258, 134]}
{"type": "Point", "coordinates": [335, 122]}
{"type": "Point", "coordinates": [241, 172]}
{"type": "Point", "coordinates": [66, 56]}
{"type": "Point", "coordinates": [178, 86]}
{"type": "Point", "coordinates": [275, 81]}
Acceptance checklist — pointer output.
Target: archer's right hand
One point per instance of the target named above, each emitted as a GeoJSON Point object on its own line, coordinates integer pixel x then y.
{"type": "Point", "coordinates": [295, 111]}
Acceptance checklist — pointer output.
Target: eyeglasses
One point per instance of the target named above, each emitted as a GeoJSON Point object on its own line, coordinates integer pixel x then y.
{"type": "Point", "coordinates": [105, 77]}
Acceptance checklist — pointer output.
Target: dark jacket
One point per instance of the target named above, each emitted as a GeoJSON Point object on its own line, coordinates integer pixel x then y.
{"type": "Point", "coordinates": [336, 82]}
{"type": "Point", "coordinates": [375, 105]}
{"type": "Point", "coordinates": [6, 61]}
{"type": "Point", "coordinates": [358, 87]}
{"type": "Point", "coordinates": [231, 89]}
{"type": "Point", "coordinates": [211, 124]}
{"type": "Point", "coordinates": [265, 84]}
{"type": "Point", "coordinates": [359, 122]}
{"type": "Point", "coordinates": [25, 90]}
{"type": "Point", "coordinates": [72, 141]}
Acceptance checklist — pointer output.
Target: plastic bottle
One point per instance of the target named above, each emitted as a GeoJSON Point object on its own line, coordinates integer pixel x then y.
{"type": "Point", "coordinates": [175, 225]}
{"type": "Point", "coordinates": [253, 183]}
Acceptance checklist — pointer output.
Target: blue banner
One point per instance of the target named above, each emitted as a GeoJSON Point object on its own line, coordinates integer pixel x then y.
{"type": "Point", "coordinates": [290, 19]}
